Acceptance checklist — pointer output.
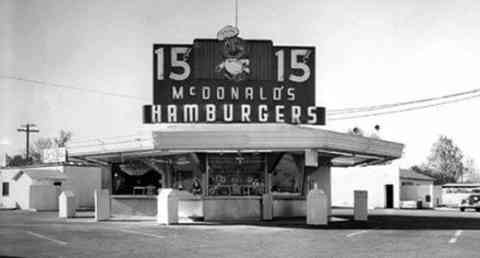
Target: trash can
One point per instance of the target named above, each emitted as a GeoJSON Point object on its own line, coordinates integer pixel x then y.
{"type": "Point", "coordinates": [419, 204]}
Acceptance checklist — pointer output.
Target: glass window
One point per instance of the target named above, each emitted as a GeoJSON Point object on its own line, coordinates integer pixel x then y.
{"type": "Point", "coordinates": [186, 173]}
{"type": "Point", "coordinates": [5, 189]}
{"type": "Point", "coordinates": [286, 176]}
{"type": "Point", "coordinates": [236, 174]}
{"type": "Point", "coordinates": [136, 178]}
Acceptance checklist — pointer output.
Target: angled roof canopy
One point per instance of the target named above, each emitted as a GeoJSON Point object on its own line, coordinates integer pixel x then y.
{"type": "Point", "coordinates": [343, 149]}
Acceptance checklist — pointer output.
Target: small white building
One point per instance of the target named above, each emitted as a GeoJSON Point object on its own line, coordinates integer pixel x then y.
{"type": "Point", "coordinates": [381, 181]}
{"type": "Point", "coordinates": [38, 187]}
{"type": "Point", "coordinates": [30, 190]}
{"type": "Point", "coordinates": [388, 186]}
{"type": "Point", "coordinates": [416, 187]}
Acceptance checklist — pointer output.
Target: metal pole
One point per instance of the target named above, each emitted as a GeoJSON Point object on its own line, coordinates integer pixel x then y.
{"type": "Point", "coordinates": [28, 140]}
{"type": "Point", "coordinates": [236, 13]}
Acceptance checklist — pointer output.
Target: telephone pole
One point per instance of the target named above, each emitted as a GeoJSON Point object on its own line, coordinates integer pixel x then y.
{"type": "Point", "coordinates": [28, 129]}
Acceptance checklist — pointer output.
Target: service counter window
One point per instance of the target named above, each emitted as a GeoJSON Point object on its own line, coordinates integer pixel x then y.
{"type": "Point", "coordinates": [287, 177]}
{"type": "Point", "coordinates": [136, 178]}
{"type": "Point", "coordinates": [186, 173]}
{"type": "Point", "coordinates": [236, 174]}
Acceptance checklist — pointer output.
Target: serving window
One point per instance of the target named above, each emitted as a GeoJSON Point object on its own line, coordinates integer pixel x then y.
{"type": "Point", "coordinates": [236, 174]}
{"type": "Point", "coordinates": [286, 176]}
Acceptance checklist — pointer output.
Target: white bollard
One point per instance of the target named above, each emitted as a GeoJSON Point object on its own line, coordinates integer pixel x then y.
{"type": "Point", "coordinates": [66, 204]}
{"type": "Point", "coordinates": [317, 207]}
{"type": "Point", "coordinates": [167, 206]}
{"type": "Point", "coordinates": [102, 204]}
{"type": "Point", "coordinates": [267, 206]}
{"type": "Point", "coordinates": [360, 211]}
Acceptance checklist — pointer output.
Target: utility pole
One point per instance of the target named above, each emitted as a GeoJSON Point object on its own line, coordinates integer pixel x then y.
{"type": "Point", "coordinates": [28, 129]}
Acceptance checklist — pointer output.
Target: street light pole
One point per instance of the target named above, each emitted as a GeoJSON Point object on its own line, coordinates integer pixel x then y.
{"type": "Point", "coordinates": [28, 129]}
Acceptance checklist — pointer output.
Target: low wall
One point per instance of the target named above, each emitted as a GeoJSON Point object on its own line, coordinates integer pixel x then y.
{"type": "Point", "coordinates": [190, 208]}
{"type": "Point", "coordinates": [210, 208]}
{"type": "Point", "coordinates": [284, 207]}
{"type": "Point", "coordinates": [232, 208]}
{"type": "Point", "coordinates": [134, 205]}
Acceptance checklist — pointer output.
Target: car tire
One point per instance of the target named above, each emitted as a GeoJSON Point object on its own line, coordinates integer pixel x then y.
{"type": "Point", "coordinates": [477, 209]}
{"type": "Point", "coordinates": [462, 209]}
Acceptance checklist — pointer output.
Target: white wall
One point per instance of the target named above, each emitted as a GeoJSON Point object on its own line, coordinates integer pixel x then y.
{"type": "Point", "coordinates": [44, 196]}
{"type": "Point", "coordinates": [20, 192]}
{"type": "Point", "coordinates": [6, 176]}
{"type": "Point", "coordinates": [83, 182]}
{"type": "Point", "coordinates": [371, 178]}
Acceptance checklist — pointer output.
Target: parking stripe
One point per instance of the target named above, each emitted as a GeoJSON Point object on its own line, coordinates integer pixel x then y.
{"type": "Point", "coordinates": [47, 238]}
{"type": "Point", "coordinates": [357, 233]}
{"type": "Point", "coordinates": [455, 236]}
{"type": "Point", "coordinates": [140, 233]}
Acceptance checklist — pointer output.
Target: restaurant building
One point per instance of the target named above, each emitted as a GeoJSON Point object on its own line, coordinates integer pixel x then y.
{"type": "Point", "coordinates": [232, 120]}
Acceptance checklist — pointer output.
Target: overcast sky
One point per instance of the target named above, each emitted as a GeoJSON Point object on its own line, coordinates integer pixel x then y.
{"type": "Point", "coordinates": [367, 52]}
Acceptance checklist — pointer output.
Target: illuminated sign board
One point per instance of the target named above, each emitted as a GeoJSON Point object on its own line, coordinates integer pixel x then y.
{"type": "Point", "coordinates": [231, 80]}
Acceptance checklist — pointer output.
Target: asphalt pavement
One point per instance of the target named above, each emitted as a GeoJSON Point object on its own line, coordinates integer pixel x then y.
{"type": "Point", "coordinates": [387, 233]}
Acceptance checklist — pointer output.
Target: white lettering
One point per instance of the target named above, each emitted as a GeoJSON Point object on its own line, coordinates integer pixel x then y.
{"type": "Point", "coordinates": [299, 65]}
{"type": "Point", "coordinates": [172, 113]}
{"type": "Point", "coordinates": [262, 113]}
{"type": "Point", "coordinates": [312, 115]}
{"type": "Point", "coordinates": [228, 112]}
{"type": "Point", "coordinates": [192, 91]}
{"type": "Point", "coordinates": [249, 93]}
{"type": "Point", "coordinates": [291, 94]}
{"type": "Point", "coordinates": [262, 97]}
{"type": "Point", "coordinates": [156, 113]}
{"type": "Point", "coordinates": [235, 93]}
{"type": "Point", "coordinates": [205, 93]}
{"type": "Point", "coordinates": [245, 113]}
{"type": "Point", "coordinates": [210, 112]}
{"type": "Point", "coordinates": [177, 93]}
{"type": "Point", "coordinates": [279, 116]}
{"type": "Point", "coordinates": [190, 113]}
{"type": "Point", "coordinates": [175, 51]}
{"type": "Point", "coordinates": [220, 93]}
{"type": "Point", "coordinates": [296, 114]}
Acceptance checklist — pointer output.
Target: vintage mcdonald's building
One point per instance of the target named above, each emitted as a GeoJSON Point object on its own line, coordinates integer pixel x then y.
{"type": "Point", "coordinates": [231, 120]}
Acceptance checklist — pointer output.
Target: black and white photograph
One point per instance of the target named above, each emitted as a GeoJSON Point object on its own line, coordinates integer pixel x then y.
{"type": "Point", "coordinates": [239, 128]}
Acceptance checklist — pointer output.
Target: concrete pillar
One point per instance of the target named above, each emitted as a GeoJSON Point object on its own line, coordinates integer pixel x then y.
{"type": "Point", "coordinates": [102, 204]}
{"type": "Point", "coordinates": [360, 211]}
{"type": "Point", "coordinates": [317, 207]}
{"type": "Point", "coordinates": [321, 177]}
{"type": "Point", "coordinates": [167, 206]}
{"type": "Point", "coordinates": [66, 204]}
{"type": "Point", "coordinates": [267, 206]}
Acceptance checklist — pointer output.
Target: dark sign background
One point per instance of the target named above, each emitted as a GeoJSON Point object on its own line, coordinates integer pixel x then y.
{"type": "Point", "coordinates": [295, 87]}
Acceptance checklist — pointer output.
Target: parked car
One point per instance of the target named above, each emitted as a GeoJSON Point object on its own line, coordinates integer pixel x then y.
{"type": "Point", "coordinates": [471, 202]}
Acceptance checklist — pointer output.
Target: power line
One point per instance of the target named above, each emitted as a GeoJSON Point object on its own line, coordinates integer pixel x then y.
{"type": "Point", "coordinates": [385, 106]}
{"type": "Point", "coordinates": [405, 109]}
{"type": "Point", "coordinates": [63, 86]}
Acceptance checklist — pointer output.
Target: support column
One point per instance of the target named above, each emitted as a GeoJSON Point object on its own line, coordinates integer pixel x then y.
{"type": "Point", "coordinates": [66, 205]}
{"type": "Point", "coordinates": [167, 207]}
{"type": "Point", "coordinates": [267, 206]}
{"type": "Point", "coordinates": [321, 177]}
{"type": "Point", "coordinates": [360, 211]}
{"type": "Point", "coordinates": [317, 207]}
{"type": "Point", "coordinates": [102, 204]}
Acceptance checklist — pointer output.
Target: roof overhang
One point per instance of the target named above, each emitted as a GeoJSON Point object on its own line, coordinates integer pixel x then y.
{"type": "Point", "coordinates": [343, 149]}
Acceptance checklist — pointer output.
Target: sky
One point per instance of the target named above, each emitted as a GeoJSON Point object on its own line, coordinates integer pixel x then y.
{"type": "Point", "coordinates": [367, 53]}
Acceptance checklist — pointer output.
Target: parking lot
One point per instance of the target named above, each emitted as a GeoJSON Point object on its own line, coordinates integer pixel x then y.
{"type": "Point", "coordinates": [388, 233]}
